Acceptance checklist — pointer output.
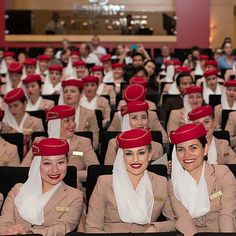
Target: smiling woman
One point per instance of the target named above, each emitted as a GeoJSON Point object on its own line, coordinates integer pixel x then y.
{"type": "Point", "coordinates": [126, 201]}
{"type": "Point", "coordinates": [207, 202]}
{"type": "Point", "coordinates": [44, 204]}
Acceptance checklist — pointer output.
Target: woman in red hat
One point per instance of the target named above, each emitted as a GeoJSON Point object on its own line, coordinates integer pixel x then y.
{"type": "Point", "coordinates": [193, 98]}
{"type": "Point", "coordinates": [119, 123]}
{"type": "Point", "coordinates": [44, 204]}
{"type": "Point", "coordinates": [42, 65]}
{"type": "Point", "coordinates": [104, 88]}
{"type": "Point", "coordinates": [126, 201]}
{"type": "Point", "coordinates": [228, 101]}
{"type": "Point", "coordinates": [33, 88]}
{"type": "Point", "coordinates": [134, 115]}
{"type": "Point", "coordinates": [30, 66]}
{"type": "Point", "coordinates": [133, 92]}
{"type": "Point", "coordinates": [7, 59]}
{"type": "Point", "coordinates": [203, 196]}
{"type": "Point", "coordinates": [16, 119]}
{"type": "Point", "coordinates": [80, 69]}
{"type": "Point", "coordinates": [52, 83]}
{"type": "Point", "coordinates": [118, 75]}
{"type": "Point", "coordinates": [219, 150]}
{"type": "Point", "coordinates": [61, 124]}
{"type": "Point", "coordinates": [85, 119]}
{"type": "Point", "coordinates": [92, 101]}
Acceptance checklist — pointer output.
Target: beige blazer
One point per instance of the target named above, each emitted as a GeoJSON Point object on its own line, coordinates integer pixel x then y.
{"type": "Point", "coordinates": [8, 154]}
{"type": "Point", "coordinates": [221, 217]}
{"type": "Point", "coordinates": [61, 213]}
{"type": "Point", "coordinates": [103, 214]}
{"type": "Point", "coordinates": [152, 105]}
{"type": "Point", "coordinates": [1, 200]}
{"type": "Point", "coordinates": [81, 155]}
{"type": "Point", "coordinates": [46, 104]}
{"type": "Point", "coordinates": [88, 122]}
{"type": "Point", "coordinates": [104, 106]}
{"type": "Point", "coordinates": [218, 115]}
{"type": "Point", "coordinates": [157, 151]}
{"type": "Point", "coordinates": [225, 154]}
{"type": "Point", "coordinates": [153, 124]}
{"type": "Point", "coordinates": [110, 90]}
{"type": "Point", "coordinates": [231, 127]}
{"type": "Point", "coordinates": [176, 120]}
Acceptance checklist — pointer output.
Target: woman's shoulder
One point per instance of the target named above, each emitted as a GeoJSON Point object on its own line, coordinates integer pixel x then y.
{"type": "Point", "coordinates": [15, 190]}
{"type": "Point", "coordinates": [155, 178]}
{"type": "Point", "coordinates": [219, 170]}
{"type": "Point", "coordinates": [73, 191]}
{"type": "Point", "coordinates": [105, 180]}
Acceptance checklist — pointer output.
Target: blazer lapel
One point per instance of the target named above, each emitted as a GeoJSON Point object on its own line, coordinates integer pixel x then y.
{"type": "Point", "coordinates": [210, 177]}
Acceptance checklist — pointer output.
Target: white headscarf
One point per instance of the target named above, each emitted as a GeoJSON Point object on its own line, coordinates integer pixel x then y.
{"type": "Point", "coordinates": [10, 120]}
{"type": "Point", "coordinates": [207, 91]}
{"type": "Point", "coordinates": [194, 196]}
{"type": "Point", "coordinates": [3, 67]}
{"type": "Point", "coordinates": [187, 108]}
{"type": "Point", "coordinates": [173, 89]}
{"type": "Point", "coordinates": [212, 152]}
{"type": "Point", "coordinates": [48, 88]}
{"type": "Point", "coordinates": [108, 78]}
{"type": "Point", "coordinates": [31, 200]}
{"type": "Point", "coordinates": [198, 69]}
{"type": "Point", "coordinates": [170, 72]}
{"type": "Point", "coordinates": [124, 120]}
{"type": "Point", "coordinates": [134, 206]}
{"type": "Point", "coordinates": [224, 102]}
{"type": "Point", "coordinates": [100, 89]}
{"type": "Point", "coordinates": [70, 70]}
{"type": "Point", "coordinates": [92, 105]}
{"type": "Point", "coordinates": [54, 128]}
{"type": "Point", "coordinates": [33, 107]}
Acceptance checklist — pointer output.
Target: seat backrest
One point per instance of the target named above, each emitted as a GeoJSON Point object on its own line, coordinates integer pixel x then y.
{"type": "Point", "coordinates": [9, 176]}
{"type": "Point", "coordinates": [86, 134]}
{"type": "Point", "coordinates": [214, 100]}
{"type": "Point", "coordinates": [222, 134]}
{"type": "Point", "coordinates": [232, 167]}
{"type": "Point", "coordinates": [99, 117]}
{"type": "Point", "coordinates": [39, 114]}
{"type": "Point", "coordinates": [16, 139]}
{"type": "Point", "coordinates": [224, 118]}
{"type": "Point", "coordinates": [53, 97]}
{"type": "Point", "coordinates": [122, 234]}
{"type": "Point", "coordinates": [157, 137]}
{"type": "Point", "coordinates": [94, 171]}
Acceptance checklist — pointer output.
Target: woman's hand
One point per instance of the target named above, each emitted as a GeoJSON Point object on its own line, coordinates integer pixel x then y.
{"type": "Point", "coordinates": [151, 229]}
{"type": "Point", "coordinates": [15, 229]}
{"type": "Point", "coordinates": [169, 167]}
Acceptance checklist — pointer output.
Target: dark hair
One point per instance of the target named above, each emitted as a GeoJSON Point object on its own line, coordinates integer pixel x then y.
{"type": "Point", "coordinates": [23, 99]}
{"type": "Point", "coordinates": [149, 147]}
{"type": "Point", "coordinates": [140, 68]}
{"type": "Point", "coordinates": [203, 142]}
{"type": "Point", "coordinates": [181, 75]}
{"type": "Point", "coordinates": [138, 54]}
{"type": "Point", "coordinates": [224, 43]}
{"type": "Point", "coordinates": [152, 61]}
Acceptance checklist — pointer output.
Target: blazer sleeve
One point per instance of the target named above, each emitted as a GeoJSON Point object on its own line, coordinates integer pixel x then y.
{"type": "Point", "coordinates": [229, 154]}
{"type": "Point", "coordinates": [13, 156]}
{"type": "Point", "coordinates": [174, 121]}
{"type": "Point", "coordinates": [217, 113]}
{"type": "Point", "coordinates": [96, 211]}
{"type": "Point", "coordinates": [184, 222]}
{"type": "Point", "coordinates": [93, 126]}
{"type": "Point", "coordinates": [115, 124]}
{"type": "Point", "coordinates": [111, 152]}
{"type": "Point", "coordinates": [228, 210]}
{"type": "Point", "coordinates": [67, 222]}
{"type": "Point", "coordinates": [231, 127]}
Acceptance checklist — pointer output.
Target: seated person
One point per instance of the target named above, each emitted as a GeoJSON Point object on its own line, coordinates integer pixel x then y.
{"type": "Point", "coordinates": [228, 101]}
{"type": "Point", "coordinates": [90, 100]}
{"type": "Point", "coordinates": [16, 119]}
{"type": "Point", "coordinates": [103, 88]}
{"type": "Point", "coordinates": [192, 99]}
{"type": "Point", "coordinates": [85, 119]}
{"type": "Point", "coordinates": [131, 93]}
{"type": "Point", "coordinates": [137, 93]}
{"type": "Point", "coordinates": [80, 69]}
{"type": "Point", "coordinates": [203, 196]}
{"type": "Point", "coordinates": [61, 124]}
{"type": "Point", "coordinates": [8, 152]}
{"type": "Point", "coordinates": [118, 75]}
{"type": "Point", "coordinates": [134, 115]}
{"type": "Point", "coordinates": [44, 204]}
{"type": "Point", "coordinates": [52, 83]}
{"type": "Point", "coordinates": [29, 66]}
{"type": "Point", "coordinates": [33, 88]}
{"type": "Point", "coordinates": [43, 63]}
{"type": "Point", "coordinates": [126, 200]}
{"type": "Point", "coordinates": [219, 150]}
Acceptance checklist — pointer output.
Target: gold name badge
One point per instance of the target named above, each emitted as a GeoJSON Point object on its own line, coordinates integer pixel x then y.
{"type": "Point", "coordinates": [62, 209]}
{"type": "Point", "coordinates": [215, 195]}
{"type": "Point", "coordinates": [77, 153]}
{"type": "Point", "coordinates": [27, 130]}
{"type": "Point", "coordinates": [3, 159]}
{"type": "Point", "coordinates": [159, 199]}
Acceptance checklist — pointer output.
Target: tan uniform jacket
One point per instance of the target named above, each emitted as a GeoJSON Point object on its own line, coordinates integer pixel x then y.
{"type": "Point", "coordinates": [46, 104]}
{"type": "Point", "coordinates": [8, 154]}
{"type": "Point", "coordinates": [81, 155]}
{"type": "Point", "coordinates": [231, 127]}
{"type": "Point", "coordinates": [153, 124]}
{"type": "Point", "coordinates": [104, 106]}
{"type": "Point", "coordinates": [221, 217]}
{"type": "Point", "coordinates": [1, 200]}
{"type": "Point", "coordinates": [152, 105]}
{"type": "Point", "coordinates": [103, 214]}
{"type": "Point", "coordinates": [218, 115]}
{"type": "Point", "coordinates": [157, 151]}
{"type": "Point", "coordinates": [110, 90]}
{"type": "Point", "coordinates": [225, 154]}
{"type": "Point", "coordinates": [176, 120]}
{"type": "Point", "coordinates": [61, 213]}
{"type": "Point", "coordinates": [88, 122]}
